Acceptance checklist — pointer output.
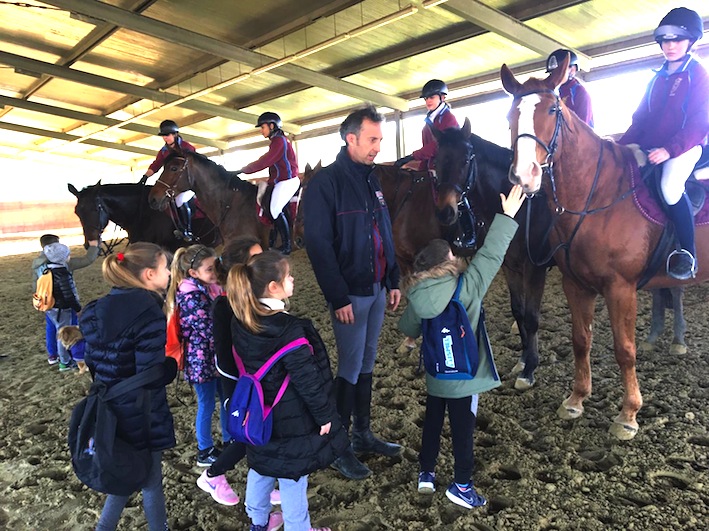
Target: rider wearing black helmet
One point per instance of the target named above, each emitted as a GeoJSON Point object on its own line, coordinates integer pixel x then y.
{"type": "Point", "coordinates": [174, 142]}
{"type": "Point", "coordinates": [282, 167]}
{"type": "Point", "coordinates": [672, 123]}
{"type": "Point", "coordinates": [572, 92]}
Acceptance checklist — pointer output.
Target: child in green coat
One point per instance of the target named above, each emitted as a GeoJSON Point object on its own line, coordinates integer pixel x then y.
{"type": "Point", "coordinates": [429, 290]}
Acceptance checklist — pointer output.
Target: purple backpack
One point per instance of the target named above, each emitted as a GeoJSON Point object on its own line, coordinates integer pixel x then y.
{"type": "Point", "coordinates": [249, 420]}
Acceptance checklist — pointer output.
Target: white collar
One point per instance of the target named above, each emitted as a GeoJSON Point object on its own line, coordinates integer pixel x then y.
{"type": "Point", "coordinates": [273, 304]}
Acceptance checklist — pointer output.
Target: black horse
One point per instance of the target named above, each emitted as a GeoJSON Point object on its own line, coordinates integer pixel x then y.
{"type": "Point", "coordinates": [127, 206]}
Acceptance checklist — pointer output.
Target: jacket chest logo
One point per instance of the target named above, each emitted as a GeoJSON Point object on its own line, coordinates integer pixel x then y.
{"type": "Point", "coordinates": [675, 86]}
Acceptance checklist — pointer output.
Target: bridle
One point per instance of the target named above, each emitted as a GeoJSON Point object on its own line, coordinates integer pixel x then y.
{"type": "Point", "coordinates": [171, 189]}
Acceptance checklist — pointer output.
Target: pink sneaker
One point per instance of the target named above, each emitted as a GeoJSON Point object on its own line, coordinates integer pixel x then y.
{"type": "Point", "coordinates": [275, 497]}
{"type": "Point", "coordinates": [275, 521]}
{"type": "Point", "coordinates": [218, 488]}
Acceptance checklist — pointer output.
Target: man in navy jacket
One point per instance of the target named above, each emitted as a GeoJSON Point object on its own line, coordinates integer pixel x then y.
{"type": "Point", "coordinates": [351, 247]}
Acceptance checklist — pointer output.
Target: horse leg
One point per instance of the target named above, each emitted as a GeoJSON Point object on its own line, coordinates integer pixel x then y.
{"type": "Point", "coordinates": [622, 304]}
{"type": "Point", "coordinates": [515, 285]}
{"type": "Point", "coordinates": [582, 306]}
{"type": "Point", "coordinates": [680, 325]}
{"type": "Point", "coordinates": [657, 324]}
{"type": "Point", "coordinates": [534, 281]}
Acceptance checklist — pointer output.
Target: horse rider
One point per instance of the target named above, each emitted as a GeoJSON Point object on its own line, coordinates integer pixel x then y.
{"type": "Point", "coordinates": [282, 167]}
{"type": "Point", "coordinates": [174, 143]}
{"type": "Point", "coordinates": [439, 115]}
{"type": "Point", "coordinates": [572, 92]}
{"type": "Point", "coordinates": [671, 124]}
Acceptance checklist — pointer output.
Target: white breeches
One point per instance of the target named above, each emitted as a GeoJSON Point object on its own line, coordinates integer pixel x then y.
{"type": "Point", "coordinates": [282, 193]}
{"type": "Point", "coordinates": [675, 173]}
{"type": "Point", "coordinates": [183, 197]}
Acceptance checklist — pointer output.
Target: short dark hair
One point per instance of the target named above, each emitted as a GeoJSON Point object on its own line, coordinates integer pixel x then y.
{"type": "Point", "coordinates": [46, 239]}
{"type": "Point", "coordinates": [435, 253]}
{"type": "Point", "coordinates": [353, 122]}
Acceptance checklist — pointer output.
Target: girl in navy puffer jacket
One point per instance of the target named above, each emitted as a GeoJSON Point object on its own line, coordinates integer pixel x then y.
{"type": "Point", "coordinates": [125, 335]}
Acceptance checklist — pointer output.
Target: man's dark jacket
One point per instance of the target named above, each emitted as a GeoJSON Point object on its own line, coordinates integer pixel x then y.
{"type": "Point", "coordinates": [341, 205]}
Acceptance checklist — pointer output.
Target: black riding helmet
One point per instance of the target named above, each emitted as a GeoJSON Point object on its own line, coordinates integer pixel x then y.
{"type": "Point", "coordinates": [433, 88]}
{"type": "Point", "coordinates": [168, 127]}
{"type": "Point", "coordinates": [557, 57]}
{"type": "Point", "coordinates": [680, 23]}
{"type": "Point", "coordinates": [269, 118]}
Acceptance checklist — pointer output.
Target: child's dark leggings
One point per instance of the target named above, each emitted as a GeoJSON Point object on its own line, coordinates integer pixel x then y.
{"type": "Point", "coordinates": [230, 456]}
{"type": "Point", "coordinates": [462, 423]}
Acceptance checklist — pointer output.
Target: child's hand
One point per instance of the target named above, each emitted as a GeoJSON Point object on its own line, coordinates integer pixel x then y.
{"type": "Point", "coordinates": [513, 202]}
{"type": "Point", "coordinates": [324, 430]}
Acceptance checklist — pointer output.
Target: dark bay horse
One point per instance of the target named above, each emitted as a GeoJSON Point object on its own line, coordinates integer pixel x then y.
{"type": "Point", "coordinates": [229, 202]}
{"type": "Point", "coordinates": [127, 206]}
{"type": "Point", "coordinates": [602, 241]}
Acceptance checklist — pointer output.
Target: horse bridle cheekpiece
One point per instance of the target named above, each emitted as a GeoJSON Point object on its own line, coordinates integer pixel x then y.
{"type": "Point", "coordinates": [171, 189]}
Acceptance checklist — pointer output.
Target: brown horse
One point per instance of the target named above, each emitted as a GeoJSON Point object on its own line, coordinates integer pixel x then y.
{"type": "Point", "coordinates": [601, 239]}
{"type": "Point", "coordinates": [229, 202]}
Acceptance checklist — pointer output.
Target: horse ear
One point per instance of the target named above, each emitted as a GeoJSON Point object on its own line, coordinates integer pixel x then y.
{"type": "Point", "coordinates": [318, 166]}
{"type": "Point", "coordinates": [467, 128]}
{"type": "Point", "coordinates": [559, 74]}
{"type": "Point", "coordinates": [72, 189]}
{"type": "Point", "coordinates": [308, 168]}
{"type": "Point", "coordinates": [509, 82]}
{"type": "Point", "coordinates": [98, 183]}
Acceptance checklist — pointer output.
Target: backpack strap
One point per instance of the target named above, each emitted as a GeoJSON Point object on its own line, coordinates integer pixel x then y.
{"type": "Point", "coordinates": [141, 379]}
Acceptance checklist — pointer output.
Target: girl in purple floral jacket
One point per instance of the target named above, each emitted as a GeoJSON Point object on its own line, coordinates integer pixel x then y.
{"type": "Point", "coordinates": [194, 287]}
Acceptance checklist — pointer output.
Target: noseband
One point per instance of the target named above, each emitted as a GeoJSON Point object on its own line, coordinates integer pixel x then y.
{"type": "Point", "coordinates": [171, 189]}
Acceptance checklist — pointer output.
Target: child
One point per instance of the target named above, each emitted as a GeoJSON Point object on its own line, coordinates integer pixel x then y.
{"type": "Point", "coordinates": [57, 259]}
{"type": "Point", "coordinates": [307, 433]}
{"type": "Point", "coordinates": [672, 122]}
{"type": "Point", "coordinates": [39, 265]}
{"type": "Point", "coordinates": [213, 480]}
{"type": "Point", "coordinates": [194, 287]}
{"type": "Point", "coordinates": [125, 335]}
{"type": "Point", "coordinates": [430, 289]}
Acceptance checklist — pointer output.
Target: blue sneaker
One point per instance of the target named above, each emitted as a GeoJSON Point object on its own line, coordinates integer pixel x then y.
{"type": "Point", "coordinates": [426, 482]}
{"type": "Point", "coordinates": [465, 497]}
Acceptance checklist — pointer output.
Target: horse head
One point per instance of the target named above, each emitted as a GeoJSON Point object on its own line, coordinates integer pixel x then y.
{"type": "Point", "coordinates": [176, 177]}
{"type": "Point", "coordinates": [455, 171]}
{"type": "Point", "coordinates": [536, 118]}
{"type": "Point", "coordinates": [298, 225]}
{"type": "Point", "coordinates": [91, 211]}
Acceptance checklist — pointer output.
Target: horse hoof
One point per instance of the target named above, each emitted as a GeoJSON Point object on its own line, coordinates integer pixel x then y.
{"type": "Point", "coordinates": [522, 384]}
{"type": "Point", "coordinates": [623, 431]}
{"type": "Point", "coordinates": [514, 329]}
{"type": "Point", "coordinates": [519, 367]}
{"type": "Point", "coordinates": [646, 346]}
{"type": "Point", "coordinates": [677, 348]}
{"type": "Point", "coordinates": [567, 412]}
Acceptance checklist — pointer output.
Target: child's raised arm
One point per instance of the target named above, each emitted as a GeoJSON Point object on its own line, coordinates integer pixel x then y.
{"type": "Point", "coordinates": [513, 202]}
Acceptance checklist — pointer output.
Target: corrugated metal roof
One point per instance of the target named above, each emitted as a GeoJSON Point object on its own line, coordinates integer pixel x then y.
{"type": "Point", "coordinates": [85, 61]}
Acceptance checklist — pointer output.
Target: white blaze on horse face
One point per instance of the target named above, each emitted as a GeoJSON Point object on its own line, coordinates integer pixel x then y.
{"type": "Point", "coordinates": [527, 169]}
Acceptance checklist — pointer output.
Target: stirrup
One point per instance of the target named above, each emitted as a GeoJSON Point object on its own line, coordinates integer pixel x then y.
{"type": "Point", "coordinates": [685, 267]}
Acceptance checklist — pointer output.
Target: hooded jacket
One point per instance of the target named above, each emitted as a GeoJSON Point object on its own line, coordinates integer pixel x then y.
{"type": "Point", "coordinates": [125, 335]}
{"type": "Point", "coordinates": [430, 291]}
{"type": "Point", "coordinates": [296, 447]}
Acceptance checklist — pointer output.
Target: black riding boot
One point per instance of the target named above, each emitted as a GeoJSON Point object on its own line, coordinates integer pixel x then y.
{"type": "Point", "coordinates": [682, 264]}
{"type": "Point", "coordinates": [466, 240]}
{"type": "Point", "coordinates": [347, 464]}
{"type": "Point", "coordinates": [363, 440]}
{"type": "Point", "coordinates": [284, 230]}
{"type": "Point", "coordinates": [185, 215]}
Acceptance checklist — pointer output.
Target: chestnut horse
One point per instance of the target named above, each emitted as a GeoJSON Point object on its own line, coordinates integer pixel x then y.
{"type": "Point", "coordinates": [229, 202]}
{"type": "Point", "coordinates": [602, 242]}
{"type": "Point", "coordinates": [127, 206]}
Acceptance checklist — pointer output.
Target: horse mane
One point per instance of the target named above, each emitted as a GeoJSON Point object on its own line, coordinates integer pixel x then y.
{"type": "Point", "coordinates": [496, 155]}
{"type": "Point", "coordinates": [229, 177]}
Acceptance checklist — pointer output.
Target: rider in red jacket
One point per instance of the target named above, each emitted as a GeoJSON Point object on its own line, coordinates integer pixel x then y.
{"type": "Point", "coordinates": [282, 167]}
{"type": "Point", "coordinates": [174, 143]}
{"type": "Point", "coordinates": [439, 115]}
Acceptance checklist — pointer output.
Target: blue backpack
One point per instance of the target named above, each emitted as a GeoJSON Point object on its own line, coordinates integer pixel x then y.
{"type": "Point", "coordinates": [449, 350]}
{"type": "Point", "coordinates": [250, 420]}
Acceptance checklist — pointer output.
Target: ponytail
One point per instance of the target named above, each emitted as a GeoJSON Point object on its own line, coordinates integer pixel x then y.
{"type": "Point", "coordinates": [124, 270]}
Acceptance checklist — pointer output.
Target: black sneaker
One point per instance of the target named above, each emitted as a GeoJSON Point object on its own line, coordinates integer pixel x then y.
{"type": "Point", "coordinates": [208, 456]}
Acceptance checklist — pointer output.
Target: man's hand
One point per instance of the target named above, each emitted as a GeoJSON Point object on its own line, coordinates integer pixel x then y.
{"type": "Point", "coordinates": [394, 299]}
{"type": "Point", "coordinates": [658, 156]}
{"type": "Point", "coordinates": [345, 314]}
{"type": "Point", "coordinates": [324, 430]}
